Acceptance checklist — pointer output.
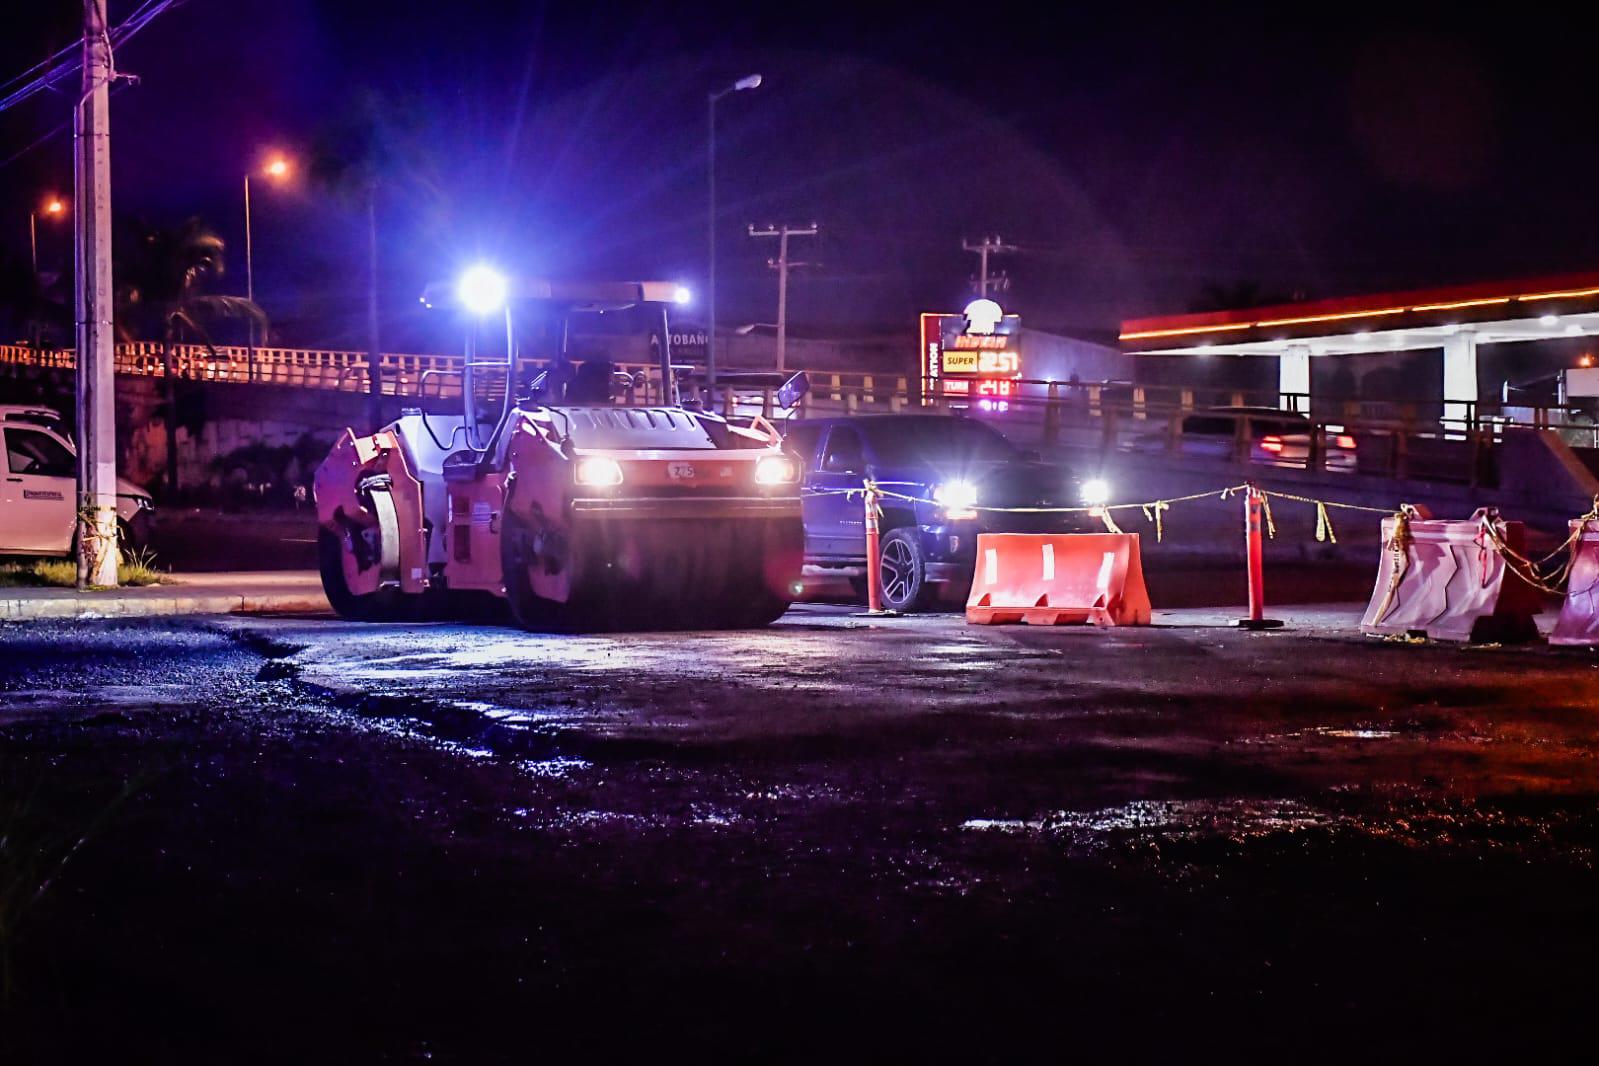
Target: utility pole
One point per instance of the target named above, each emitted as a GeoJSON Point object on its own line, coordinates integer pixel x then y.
{"type": "Point", "coordinates": [782, 264]}
{"type": "Point", "coordinates": [988, 246]}
{"type": "Point", "coordinates": [374, 358]}
{"type": "Point", "coordinates": [96, 385]}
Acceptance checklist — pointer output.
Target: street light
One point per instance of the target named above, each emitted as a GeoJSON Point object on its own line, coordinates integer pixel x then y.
{"type": "Point", "coordinates": [53, 207]}
{"type": "Point", "coordinates": [749, 81]}
{"type": "Point", "coordinates": [277, 169]}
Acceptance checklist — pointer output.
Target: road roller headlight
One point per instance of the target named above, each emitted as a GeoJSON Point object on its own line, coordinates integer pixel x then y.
{"type": "Point", "coordinates": [1095, 492]}
{"type": "Point", "coordinates": [776, 470]}
{"type": "Point", "coordinates": [599, 472]}
{"type": "Point", "coordinates": [957, 498]}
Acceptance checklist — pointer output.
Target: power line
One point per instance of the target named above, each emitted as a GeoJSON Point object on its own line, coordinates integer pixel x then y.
{"type": "Point", "coordinates": [130, 26]}
{"type": "Point", "coordinates": [65, 51]}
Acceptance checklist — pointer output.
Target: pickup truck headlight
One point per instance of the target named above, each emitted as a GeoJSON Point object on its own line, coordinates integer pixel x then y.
{"type": "Point", "coordinates": [957, 498]}
{"type": "Point", "coordinates": [1095, 492]}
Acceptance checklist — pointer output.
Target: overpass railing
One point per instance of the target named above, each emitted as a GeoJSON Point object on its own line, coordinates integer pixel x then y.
{"type": "Point", "coordinates": [1395, 438]}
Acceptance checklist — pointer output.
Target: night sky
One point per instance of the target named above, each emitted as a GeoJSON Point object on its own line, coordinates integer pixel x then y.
{"type": "Point", "coordinates": [1135, 154]}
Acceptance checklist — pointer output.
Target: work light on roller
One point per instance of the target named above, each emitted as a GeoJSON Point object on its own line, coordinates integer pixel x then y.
{"type": "Point", "coordinates": [776, 470]}
{"type": "Point", "coordinates": [599, 472]}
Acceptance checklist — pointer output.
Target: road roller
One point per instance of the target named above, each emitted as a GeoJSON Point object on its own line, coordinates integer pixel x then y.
{"type": "Point", "coordinates": [589, 497]}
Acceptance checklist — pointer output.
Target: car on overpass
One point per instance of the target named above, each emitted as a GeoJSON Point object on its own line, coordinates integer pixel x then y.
{"type": "Point", "coordinates": [951, 479]}
{"type": "Point", "coordinates": [1276, 438]}
{"type": "Point", "coordinates": [39, 496]}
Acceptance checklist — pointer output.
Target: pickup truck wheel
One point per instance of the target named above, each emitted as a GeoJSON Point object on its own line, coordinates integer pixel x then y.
{"type": "Point", "coordinates": [903, 584]}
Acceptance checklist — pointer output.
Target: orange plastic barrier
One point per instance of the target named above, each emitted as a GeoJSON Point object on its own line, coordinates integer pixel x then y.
{"type": "Point", "coordinates": [1445, 580]}
{"type": "Point", "coordinates": [1046, 579]}
{"type": "Point", "coordinates": [1578, 623]}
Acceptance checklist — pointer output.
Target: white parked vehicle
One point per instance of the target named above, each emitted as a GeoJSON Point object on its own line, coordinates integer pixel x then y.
{"type": "Point", "coordinates": [39, 492]}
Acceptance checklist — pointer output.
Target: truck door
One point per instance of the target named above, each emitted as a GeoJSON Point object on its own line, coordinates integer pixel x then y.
{"type": "Point", "coordinates": [840, 523]}
{"type": "Point", "coordinates": [41, 487]}
{"type": "Point", "coordinates": [802, 442]}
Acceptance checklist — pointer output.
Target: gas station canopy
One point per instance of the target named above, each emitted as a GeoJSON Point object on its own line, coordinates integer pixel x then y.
{"type": "Point", "coordinates": [1543, 308]}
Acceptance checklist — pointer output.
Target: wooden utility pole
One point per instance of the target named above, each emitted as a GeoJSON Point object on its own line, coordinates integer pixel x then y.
{"type": "Point", "coordinates": [96, 387]}
{"type": "Point", "coordinates": [782, 264]}
{"type": "Point", "coordinates": [984, 248]}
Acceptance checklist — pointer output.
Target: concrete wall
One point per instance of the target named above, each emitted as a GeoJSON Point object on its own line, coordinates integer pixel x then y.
{"type": "Point", "coordinates": [231, 439]}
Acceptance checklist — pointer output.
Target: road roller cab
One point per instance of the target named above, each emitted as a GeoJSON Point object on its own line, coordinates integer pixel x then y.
{"type": "Point", "coordinates": [587, 496]}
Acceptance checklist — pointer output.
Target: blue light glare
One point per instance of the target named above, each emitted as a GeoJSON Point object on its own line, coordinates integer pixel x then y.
{"type": "Point", "coordinates": [482, 289]}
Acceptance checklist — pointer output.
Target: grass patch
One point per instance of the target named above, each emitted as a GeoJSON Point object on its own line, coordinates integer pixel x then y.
{"type": "Point", "coordinates": [136, 569]}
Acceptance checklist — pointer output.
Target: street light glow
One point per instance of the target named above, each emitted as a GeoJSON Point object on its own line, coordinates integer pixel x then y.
{"type": "Point", "coordinates": [277, 167]}
{"type": "Point", "coordinates": [54, 206]}
{"type": "Point", "coordinates": [750, 81]}
{"type": "Point", "coordinates": [482, 289]}
{"type": "Point", "coordinates": [682, 296]}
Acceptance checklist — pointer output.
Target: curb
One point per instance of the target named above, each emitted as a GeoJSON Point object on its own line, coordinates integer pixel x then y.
{"type": "Point", "coordinates": [92, 605]}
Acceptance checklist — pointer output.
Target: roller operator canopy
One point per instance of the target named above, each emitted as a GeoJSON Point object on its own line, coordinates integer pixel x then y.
{"type": "Point", "coordinates": [578, 295]}
{"type": "Point", "coordinates": [1544, 308]}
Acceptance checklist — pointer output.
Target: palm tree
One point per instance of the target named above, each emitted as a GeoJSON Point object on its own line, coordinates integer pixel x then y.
{"type": "Point", "coordinates": [1236, 296]}
{"type": "Point", "coordinates": [34, 302]}
{"type": "Point", "coordinates": [372, 146]}
{"type": "Point", "coordinates": [163, 275]}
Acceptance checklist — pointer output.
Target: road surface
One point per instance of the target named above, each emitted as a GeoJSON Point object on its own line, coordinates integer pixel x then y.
{"type": "Point", "coordinates": [835, 839]}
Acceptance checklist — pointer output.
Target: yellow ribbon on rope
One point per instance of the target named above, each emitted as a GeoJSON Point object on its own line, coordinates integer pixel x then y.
{"type": "Point", "coordinates": [1265, 510]}
{"type": "Point", "coordinates": [1324, 526]}
{"type": "Point", "coordinates": [1152, 513]}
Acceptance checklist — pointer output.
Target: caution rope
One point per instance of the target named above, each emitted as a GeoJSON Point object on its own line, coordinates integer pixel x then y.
{"type": "Point", "coordinates": [1151, 509]}
{"type": "Point", "coordinates": [1531, 571]}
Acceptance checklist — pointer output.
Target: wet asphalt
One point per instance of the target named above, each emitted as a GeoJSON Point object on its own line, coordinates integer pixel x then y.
{"type": "Point", "coordinates": [836, 839]}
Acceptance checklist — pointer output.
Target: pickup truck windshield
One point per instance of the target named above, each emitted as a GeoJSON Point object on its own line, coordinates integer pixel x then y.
{"type": "Point", "coordinates": [921, 440]}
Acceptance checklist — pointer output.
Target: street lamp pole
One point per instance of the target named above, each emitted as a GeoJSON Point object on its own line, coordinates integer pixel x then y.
{"type": "Point", "coordinates": [750, 81]}
{"type": "Point", "coordinates": [276, 169]}
{"type": "Point", "coordinates": [53, 207]}
{"type": "Point", "coordinates": [249, 282]}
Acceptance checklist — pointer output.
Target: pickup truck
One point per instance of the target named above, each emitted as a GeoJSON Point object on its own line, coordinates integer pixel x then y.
{"type": "Point", "coordinates": [953, 470]}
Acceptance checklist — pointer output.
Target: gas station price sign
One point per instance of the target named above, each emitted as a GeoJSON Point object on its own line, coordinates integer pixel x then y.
{"type": "Point", "coordinates": [972, 359]}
